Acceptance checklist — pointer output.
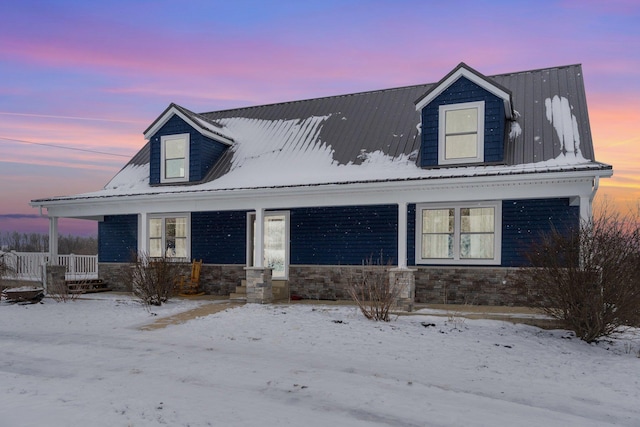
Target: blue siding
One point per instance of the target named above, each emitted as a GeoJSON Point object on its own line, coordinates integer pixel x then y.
{"type": "Point", "coordinates": [117, 238]}
{"type": "Point", "coordinates": [347, 235]}
{"type": "Point", "coordinates": [219, 237]}
{"type": "Point", "coordinates": [524, 221]}
{"type": "Point", "coordinates": [203, 154]}
{"type": "Point", "coordinates": [463, 90]}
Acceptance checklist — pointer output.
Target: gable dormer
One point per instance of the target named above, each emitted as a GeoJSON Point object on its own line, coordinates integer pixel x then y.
{"type": "Point", "coordinates": [184, 146]}
{"type": "Point", "coordinates": [464, 120]}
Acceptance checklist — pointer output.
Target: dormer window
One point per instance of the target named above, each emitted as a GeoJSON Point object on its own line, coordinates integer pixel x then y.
{"type": "Point", "coordinates": [175, 158]}
{"type": "Point", "coordinates": [461, 133]}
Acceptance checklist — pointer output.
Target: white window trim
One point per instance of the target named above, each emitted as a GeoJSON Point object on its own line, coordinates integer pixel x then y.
{"type": "Point", "coordinates": [170, 215]}
{"type": "Point", "coordinates": [497, 249]}
{"type": "Point", "coordinates": [442, 131]}
{"type": "Point", "coordinates": [287, 215]}
{"type": "Point", "coordinates": [163, 139]}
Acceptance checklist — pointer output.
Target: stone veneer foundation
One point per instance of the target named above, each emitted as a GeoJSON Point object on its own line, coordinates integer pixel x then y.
{"type": "Point", "coordinates": [215, 279]}
{"type": "Point", "coordinates": [433, 285]}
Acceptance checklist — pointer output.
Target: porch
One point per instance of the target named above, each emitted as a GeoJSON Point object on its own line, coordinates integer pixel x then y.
{"type": "Point", "coordinates": [30, 266]}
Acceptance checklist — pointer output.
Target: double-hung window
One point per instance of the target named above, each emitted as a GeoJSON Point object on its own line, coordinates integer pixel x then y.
{"type": "Point", "coordinates": [174, 165]}
{"type": "Point", "coordinates": [461, 133]}
{"type": "Point", "coordinates": [458, 234]}
{"type": "Point", "coordinates": [169, 236]}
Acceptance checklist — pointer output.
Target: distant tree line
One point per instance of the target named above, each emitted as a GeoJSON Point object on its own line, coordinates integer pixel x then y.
{"type": "Point", "coordinates": [37, 242]}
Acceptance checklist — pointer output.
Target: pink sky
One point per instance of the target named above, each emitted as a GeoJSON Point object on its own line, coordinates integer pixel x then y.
{"type": "Point", "coordinates": [93, 75]}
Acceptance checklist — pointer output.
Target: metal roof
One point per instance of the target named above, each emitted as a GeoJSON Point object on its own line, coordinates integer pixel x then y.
{"type": "Point", "coordinates": [387, 120]}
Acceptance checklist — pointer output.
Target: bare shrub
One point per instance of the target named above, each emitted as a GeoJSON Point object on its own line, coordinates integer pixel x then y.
{"type": "Point", "coordinates": [60, 290]}
{"type": "Point", "coordinates": [373, 292]}
{"type": "Point", "coordinates": [5, 271]}
{"type": "Point", "coordinates": [589, 279]}
{"type": "Point", "coordinates": [153, 279]}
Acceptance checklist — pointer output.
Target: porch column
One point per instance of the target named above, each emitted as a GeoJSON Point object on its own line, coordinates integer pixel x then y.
{"type": "Point", "coordinates": [585, 209]}
{"type": "Point", "coordinates": [142, 234]}
{"type": "Point", "coordinates": [53, 240]}
{"type": "Point", "coordinates": [402, 235]}
{"type": "Point", "coordinates": [259, 243]}
{"type": "Point", "coordinates": [402, 277]}
{"type": "Point", "coordinates": [258, 277]}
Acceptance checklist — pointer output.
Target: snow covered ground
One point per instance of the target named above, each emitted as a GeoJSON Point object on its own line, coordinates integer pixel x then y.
{"type": "Point", "coordinates": [87, 363]}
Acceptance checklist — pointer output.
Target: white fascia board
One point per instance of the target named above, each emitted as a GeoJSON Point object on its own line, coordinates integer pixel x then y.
{"type": "Point", "coordinates": [525, 186]}
{"type": "Point", "coordinates": [463, 72]}
{"type": "Point", "coordinates": [204, 131]}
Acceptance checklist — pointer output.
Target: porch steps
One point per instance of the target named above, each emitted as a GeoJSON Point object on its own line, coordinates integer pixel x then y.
{"type": "Point", "coordinates": [241, 292]}
{"type": "Point", "coordinates": [86, 286]}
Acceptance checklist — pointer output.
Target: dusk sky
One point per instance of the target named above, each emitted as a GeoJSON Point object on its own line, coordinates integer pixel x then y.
{"type": "Point", "coordinates": [93, 75]}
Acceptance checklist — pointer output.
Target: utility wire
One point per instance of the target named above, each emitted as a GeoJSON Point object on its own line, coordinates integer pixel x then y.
{"type": "Point", "coordinates": [22, 141]}
{"type": "Point", "coordinates": [51, 116]}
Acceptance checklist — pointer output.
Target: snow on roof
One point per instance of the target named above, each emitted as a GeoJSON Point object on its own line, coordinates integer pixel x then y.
{"type": "Point", "coordinates": [374, 136]}
{"type": "Point", "coordinates": [278, 162]}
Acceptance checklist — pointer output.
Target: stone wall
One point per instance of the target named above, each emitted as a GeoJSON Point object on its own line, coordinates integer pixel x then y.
{"type": "Point", "coordinates": [321, 282]}
{"type": "Point", "coordinates": [214, 279]}
{"type": "Point", "coordinates": [433, 285]}
{"type": "Point", "coordinates": [469, 285]}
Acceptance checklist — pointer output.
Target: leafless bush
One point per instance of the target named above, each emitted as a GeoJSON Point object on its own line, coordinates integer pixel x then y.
{"type": "Point", "coordinates": [373, 292]}
{"type": "Point", "coordinates": [60, 291]}
{"type": "Point", "coordinates": [589, 278]}
{"type": "Point", "coordinates": [153, 279]}
{"type": "Point", "coordinates": [5, 267]}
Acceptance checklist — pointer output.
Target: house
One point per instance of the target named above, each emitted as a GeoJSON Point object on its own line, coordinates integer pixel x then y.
{"type": "Point", "coordinates": [449, 182]}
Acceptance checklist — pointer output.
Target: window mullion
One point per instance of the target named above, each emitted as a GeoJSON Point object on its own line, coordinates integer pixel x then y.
{"type": "Point", "coordinates": [457, 225]}
{"type": "Point", "coordinates": [164, 237]}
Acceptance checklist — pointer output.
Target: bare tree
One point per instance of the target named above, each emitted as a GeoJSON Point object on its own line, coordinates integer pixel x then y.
{"type": "Point", "coordinates": [589, 278]}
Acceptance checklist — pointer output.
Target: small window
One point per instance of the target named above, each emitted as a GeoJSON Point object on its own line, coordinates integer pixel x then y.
{"type": "Point", "coordinates": [460, 234]}
{"type": "Point", "coordinates": [461, 135]}
{"type": "Point", "coordinates": [169, 236]}
{"type": "Point", "coordinates": [175, 158]}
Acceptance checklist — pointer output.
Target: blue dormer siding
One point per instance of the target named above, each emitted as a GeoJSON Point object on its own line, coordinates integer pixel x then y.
{"type": "Point", "coordinates": [464, 90]}
{"type": "Point", "coordinates": [203, 151]}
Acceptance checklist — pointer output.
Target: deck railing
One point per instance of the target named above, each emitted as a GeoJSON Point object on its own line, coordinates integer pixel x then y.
{"type": "Point", "coordinates": [30, 265]}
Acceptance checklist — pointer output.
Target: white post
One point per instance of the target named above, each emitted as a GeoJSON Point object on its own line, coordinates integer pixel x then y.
{"type": "Point", "coordinates": [72, 266]}
{"type": "Point", "coordinates": [259, 238]}
{"type": "Point", "coordinates": [402, 235]}
{"type": "Point", "coordinates": [142, 234]}
{"type": "Point", "coordinates": [53, 240]}
{"type": "Point", "coordinates": [585, 209]}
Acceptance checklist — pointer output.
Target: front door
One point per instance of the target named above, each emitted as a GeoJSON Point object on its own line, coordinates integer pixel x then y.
{"type": "Point", "coordinates": [276, 243]}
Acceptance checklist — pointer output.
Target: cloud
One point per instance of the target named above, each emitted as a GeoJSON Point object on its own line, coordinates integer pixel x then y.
{"type": "Point", "coordinates": [19, 216]}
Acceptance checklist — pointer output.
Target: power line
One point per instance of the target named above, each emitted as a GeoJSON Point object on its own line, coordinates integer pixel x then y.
{"type": "Point", "coordinates": [22, 141]}
{"type": "Point", "coordinates": [51, 116]}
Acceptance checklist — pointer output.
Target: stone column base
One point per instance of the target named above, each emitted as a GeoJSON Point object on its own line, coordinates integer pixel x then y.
{"type": "Point", "coordinates": [55, 280]}
{"type": "Point", "coordinates": [405, 279]}
{"type": "Point", "coordinates": [259, 286]}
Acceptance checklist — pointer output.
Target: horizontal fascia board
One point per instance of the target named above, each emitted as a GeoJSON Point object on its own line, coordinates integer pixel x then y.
{"type": "Point", "coordinates": [550, 185]}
